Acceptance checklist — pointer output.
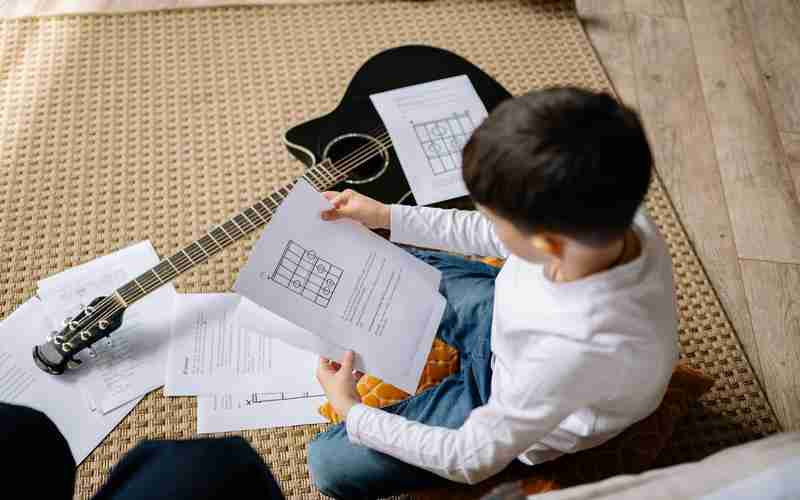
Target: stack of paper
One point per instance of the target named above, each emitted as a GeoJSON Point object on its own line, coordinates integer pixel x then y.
{"type": "Point", "coordinates": [245, 377]}
{"type": "Point", "coordinates": [87, 404]}
{"type": "Point", "coordinates": [249, 367]}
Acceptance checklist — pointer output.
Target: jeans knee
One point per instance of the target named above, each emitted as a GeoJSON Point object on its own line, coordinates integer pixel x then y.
{"type": "Point", "coordinates": [323, 467]}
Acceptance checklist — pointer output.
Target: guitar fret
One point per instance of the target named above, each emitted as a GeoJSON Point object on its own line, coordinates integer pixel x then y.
{"type": "Point", "coordinates": [226, 231]}
{"type": "Point", "coordinates": [327, 174]}
{"type": "Point", "coordinates": [265, 206]}
{"type": "Point", "coordinates": [169, 261]}
{"type": "Point", "coordinates": [211, 235]}
{"type": "Point", "coordinates": [275, 193]}
{"type": "Point", "coordinates": [316, 180]}
{"type": "Point", "coordinates": [230, 229]}
{"type": "Point", "coordinates": [156, 275]}
{"type": "Point", "coordinates": [183, 250]}
{"type": "Point", "coordinates": [262, 211]}
{"type": "Point", "coordinates": [263, 221]}
{"type": "Point", "coordinates": [124, 302]}
{"type": "Point", "coordinates": [164, 270]}
{"type": "Point", "coordinates": [140, 286]}
{"type": "Point", "coordinates": [198, 245]}
{"type": "Point", "coordinates": [244, 214]}
{"type": "Point", "coordinates": [233, 220]}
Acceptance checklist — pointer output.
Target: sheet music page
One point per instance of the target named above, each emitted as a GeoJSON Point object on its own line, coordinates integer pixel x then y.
{"type": "Point", "coordinates": [346, 285]}
{"type": "Point", "coordinates": [429, 124]}
{"type": "Point", "coordinates": [59, 397]}
{"type": "Point", "coordinates": [257, 410]}
{"type": "Point", "coordinates": [132, 364]}
{"type": "Point", "coordinates": [217, 346]}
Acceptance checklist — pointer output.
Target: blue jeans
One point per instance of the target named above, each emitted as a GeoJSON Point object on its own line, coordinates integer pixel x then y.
{"type": "Point", "coordinates": [340, 469]}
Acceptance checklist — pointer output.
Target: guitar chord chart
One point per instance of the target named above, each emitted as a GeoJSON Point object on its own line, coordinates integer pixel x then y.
{"type": "Point", "coordinates": [267, 397]}
{"type": "Point", "coordinates": [303, 272]}
{"type": "Point", "coordinates": [442, 140]}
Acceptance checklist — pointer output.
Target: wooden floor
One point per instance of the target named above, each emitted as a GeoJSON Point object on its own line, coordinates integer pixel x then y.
{"type": "Point", "coordinates": [718, 86]}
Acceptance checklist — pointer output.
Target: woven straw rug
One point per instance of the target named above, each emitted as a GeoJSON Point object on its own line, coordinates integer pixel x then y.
{"type": "Point", "coordinates": [155, 125]}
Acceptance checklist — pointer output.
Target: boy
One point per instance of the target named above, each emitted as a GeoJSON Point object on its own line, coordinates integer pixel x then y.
{"type": "Point", "coordinates": [572, 342]}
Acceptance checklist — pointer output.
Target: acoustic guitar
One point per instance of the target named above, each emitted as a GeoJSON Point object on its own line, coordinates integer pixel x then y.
{"type": "Point", "coordinates": [347, 148]}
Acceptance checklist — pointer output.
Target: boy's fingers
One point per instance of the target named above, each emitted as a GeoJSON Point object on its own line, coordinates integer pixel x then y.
{"type": "Point", "coordinates": [324, 365]}
{"type": "Point", "coordinates": [347, 362]}
{"type": "Point", "coordinates": [331, 214]}
{"type": "Point", "coordinates": [340, 199]}
{"type": "Point", "coordinates": [329, 195]}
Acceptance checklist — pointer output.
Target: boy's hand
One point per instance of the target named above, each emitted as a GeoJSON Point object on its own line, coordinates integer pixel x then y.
{"type": "Point", "coordinates": [339, 383]}
{"type": "Point", "coordinates": [356, 206]}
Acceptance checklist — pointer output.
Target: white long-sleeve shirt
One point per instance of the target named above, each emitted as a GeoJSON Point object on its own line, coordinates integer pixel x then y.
{"type": "Point", "coordinates": [574, 363]}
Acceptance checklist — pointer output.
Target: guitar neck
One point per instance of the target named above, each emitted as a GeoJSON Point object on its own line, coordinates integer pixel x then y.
{"type": "Point", "coordinates": [322, 176]}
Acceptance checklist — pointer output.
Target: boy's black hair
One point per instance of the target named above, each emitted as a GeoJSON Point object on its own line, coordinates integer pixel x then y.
{"type": "Point", "coordinates": [562, 160]}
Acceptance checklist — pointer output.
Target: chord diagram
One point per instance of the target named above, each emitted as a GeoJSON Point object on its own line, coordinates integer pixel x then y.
{"type": "Point", "coordinates": [266, 397]}
{"type": "Point", "coordinates": [303, 272]}
{"type": "Point", "coordinates": [442, 140]}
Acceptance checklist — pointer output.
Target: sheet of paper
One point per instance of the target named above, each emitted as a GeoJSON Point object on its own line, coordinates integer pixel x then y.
{"type": "Point", "coordinates": [59, 397]}
{"type": "Point", "coordinates": [134, 361]}
{"type": "Point", "coordinates": [429, 125]}
{"type": "Point", "coordinates": [216, 345]}
{"type": "Point", "coordinates": [257, 410]}
{"type": "Point", "coordinates": [346, 285]}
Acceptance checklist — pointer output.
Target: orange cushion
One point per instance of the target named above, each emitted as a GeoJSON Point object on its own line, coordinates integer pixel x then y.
{"type": "Point", "coordinates": [442, 362]}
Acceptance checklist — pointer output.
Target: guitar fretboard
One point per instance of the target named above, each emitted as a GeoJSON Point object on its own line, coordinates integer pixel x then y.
{"type": "Point", "coordinates": [322, 176]}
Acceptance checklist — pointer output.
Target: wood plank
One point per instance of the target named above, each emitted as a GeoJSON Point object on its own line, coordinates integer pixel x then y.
{"type": "Point", "coordinates": [673, 111]}
{"type": "Point", "coordinates": [606, 24]}
{"type": "Point", "coordinates": [764, 210]}
{"type": "Point", "coordinates": [775, 25]}
{"type": "Point", "coordinates": [775, 305]}
{"type": "Point", "coordinates": [669, 8]}
{"type": "Point", "coordinates": [791, 146]}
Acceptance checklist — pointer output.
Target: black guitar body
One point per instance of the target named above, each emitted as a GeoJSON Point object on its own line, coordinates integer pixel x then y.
{"type": "Point", "coordinates": [355, 122]}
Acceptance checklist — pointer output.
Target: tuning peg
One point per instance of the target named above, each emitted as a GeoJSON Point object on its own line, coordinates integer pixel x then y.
{"type": "Point", "coordinates": [74, 364]}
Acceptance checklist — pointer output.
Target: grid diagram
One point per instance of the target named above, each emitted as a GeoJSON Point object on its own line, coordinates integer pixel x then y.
{"type": "Point", "coordinates": [442, 140]}
{"type": "Point", "coordinates": [306, 274]}
{"type": "Point", "coordinates": [267, 397]}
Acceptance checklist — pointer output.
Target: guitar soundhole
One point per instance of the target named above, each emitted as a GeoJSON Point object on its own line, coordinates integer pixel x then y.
{"type": "Point", "coordinates": [350, 149]}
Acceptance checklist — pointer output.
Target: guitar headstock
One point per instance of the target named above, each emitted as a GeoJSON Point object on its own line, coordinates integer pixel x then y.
{"type": "Point", "coordinates": [95, 322]}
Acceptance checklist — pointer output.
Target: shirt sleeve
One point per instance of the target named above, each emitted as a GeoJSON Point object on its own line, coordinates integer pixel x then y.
{"type": "Point", "coordinates": [463, 231]}
{"type": "Point", "coordinates": [512, 421]}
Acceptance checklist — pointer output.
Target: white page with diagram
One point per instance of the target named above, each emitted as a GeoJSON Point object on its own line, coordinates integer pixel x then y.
{"type": "Point", "coordinates": [217, 346]}
{"type": "Point", "coordinates": [131, 362]}
{"type": "Point", "coordinates": [59, 397]}
{"type": "Point", "coordinates": [429, 124]}
{"type": "Point", "coordinates": [347, 285]}
{"type": "Point", "coordinates": [258, 410]}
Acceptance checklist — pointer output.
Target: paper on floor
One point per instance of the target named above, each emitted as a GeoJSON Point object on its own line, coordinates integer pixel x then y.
{"type": "Point", "coordinates": [429, 125]}
{"type": "Point", "coordinates": [347, 286]}
{"type": "Point", "coordinates": [59, 397]}
{"type": "Point", "coordinates": [257, 410]}
{"type": "Point", "coordinates": [133, 364]}
{"type": "Point", "coordinates": [217, 347]}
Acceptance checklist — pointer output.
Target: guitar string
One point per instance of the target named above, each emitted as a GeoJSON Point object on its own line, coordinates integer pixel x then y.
{"type": "Point", "coordinates": [350, 162]}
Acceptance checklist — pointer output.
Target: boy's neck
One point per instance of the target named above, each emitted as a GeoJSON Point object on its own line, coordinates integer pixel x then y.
{"type": "Point", "coordinates": [585, 261]}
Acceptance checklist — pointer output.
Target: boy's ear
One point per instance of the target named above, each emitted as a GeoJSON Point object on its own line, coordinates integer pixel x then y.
{"type": "Point", "coordinates": [548, 244]}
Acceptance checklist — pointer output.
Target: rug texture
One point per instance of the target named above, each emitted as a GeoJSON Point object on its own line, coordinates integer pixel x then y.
{"type": "Point", "coordinates": [156, 125]}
